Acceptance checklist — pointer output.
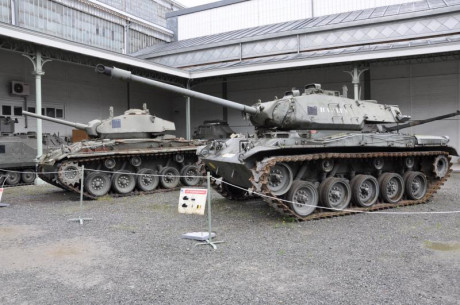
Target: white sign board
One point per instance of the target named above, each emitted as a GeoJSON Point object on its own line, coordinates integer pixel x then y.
{"type": "Point", "coordinates": [192, 201]}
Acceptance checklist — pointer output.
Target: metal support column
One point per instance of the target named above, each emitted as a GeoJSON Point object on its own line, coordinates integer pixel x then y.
{"type": "Point", "coordinates": [356, 74]}
{"type": "Point", "coordinates": [224, 96]}
{"type": "Point", "coordinates": [38, 63]}
{"type": "Point", "coordinates": [187, 113]}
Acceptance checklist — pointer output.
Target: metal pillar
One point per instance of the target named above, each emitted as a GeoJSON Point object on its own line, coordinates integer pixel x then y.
{"type": "Point", "coordinates": [356, 74]}
{"type": "Point", "coordinates": [187, 113]}
{"type": "Point", "coordinates": [224, 96]}
{"type": "Point", "coordinates": [38, 63]}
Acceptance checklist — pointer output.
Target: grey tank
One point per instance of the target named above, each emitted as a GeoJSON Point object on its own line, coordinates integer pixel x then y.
{"type": "Point", "coordinates": [18, 152]}
{"type": "Point", "coordinates": [317, 154]}
{"type": "Point", "coordinates": [212, 130]}
{"type": "Point", "coordinates": [125, 155]}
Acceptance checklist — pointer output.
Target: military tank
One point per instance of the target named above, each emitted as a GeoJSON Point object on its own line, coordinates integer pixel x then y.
{"type": "Point", "coordinates": [213, 129]}
{"type": "Point", "coordinates": [125, 155]}
{"type": "Point", "coordinates": [18, 152]}
{"type": "Point", "coordinates": [318, 154]}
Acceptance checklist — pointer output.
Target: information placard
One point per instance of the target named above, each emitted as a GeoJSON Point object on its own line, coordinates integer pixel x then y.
{"type": "Point", "coordinates": [192, 200]}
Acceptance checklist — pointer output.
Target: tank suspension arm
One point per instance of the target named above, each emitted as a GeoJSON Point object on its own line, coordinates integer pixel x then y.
{"type": "Point", "coordinates": [63, 122]}
{"type": "Point", "coordinates": [126, 75]}
{"type": "Point", "coordinates": [420, 122]}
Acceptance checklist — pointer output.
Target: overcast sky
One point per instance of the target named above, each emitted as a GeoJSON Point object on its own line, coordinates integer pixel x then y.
{"type": "Point", "coordinates": [190, 3]}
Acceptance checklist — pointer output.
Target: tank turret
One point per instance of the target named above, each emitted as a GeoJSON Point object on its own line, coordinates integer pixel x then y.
{"type": "Point", "coordinates": [134, 123]}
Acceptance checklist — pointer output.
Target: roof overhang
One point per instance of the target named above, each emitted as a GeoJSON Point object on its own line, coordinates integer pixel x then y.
{"type": "Point", "coordinates": [343, 56]}
{"type": "Point", "coordinates": [34, 37]}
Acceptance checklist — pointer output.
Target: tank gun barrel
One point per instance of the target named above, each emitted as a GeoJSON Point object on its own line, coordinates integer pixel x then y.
{"type": "Point", "coordinates": [59, 121]}
{"type": "Point", "coordinates": [420, 122]}
{"type": "Point", "coordinates": [126, 75]}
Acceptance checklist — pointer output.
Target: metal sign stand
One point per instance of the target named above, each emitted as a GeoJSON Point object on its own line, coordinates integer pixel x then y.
{"type": "Point", "coordinates": [209, 240]}
{"type": "Point", "coordinates": [3, 205]}
{"type": "Point", "coordinates": [80, 219]}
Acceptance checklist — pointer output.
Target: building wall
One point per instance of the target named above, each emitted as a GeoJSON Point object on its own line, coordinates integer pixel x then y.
{"type": "Point", "coordinates": [89, 23]}
{"type": "Point", "coordinates": [83, 94]}
{"type": "Point", "coordinates": [261, 12]}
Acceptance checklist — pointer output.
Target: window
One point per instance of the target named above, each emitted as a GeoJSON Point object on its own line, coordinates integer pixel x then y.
{"type": "Point", "coordinates": [31, 109]}
{"type": "Point", "coordinates": [51, 112]}
{"type": "Point", "coordinates": [6, 110]}
{"type": "Point", "coordinates": [43, 111]}
{"type": "Point", "coordinates": [17, 111]}
{"type": "Point", "coordinates": [59, 113]}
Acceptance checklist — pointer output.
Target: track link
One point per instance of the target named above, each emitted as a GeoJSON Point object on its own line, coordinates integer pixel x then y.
{"type": "Point", "coordinates": [262, 171]}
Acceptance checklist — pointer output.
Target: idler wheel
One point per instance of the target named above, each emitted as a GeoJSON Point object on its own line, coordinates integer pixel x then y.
{"type": "Point", "coordinates": [190, 175]}
{"type": "Point", "coordinates": [303, 197]}
{"type": "Point", "coordinates": [364, 190]}
{"type": "Point", "coordinates": [335, 193]}
{"type": "Point", "coordinates": [147, 180]}
{"type": "Point", "coordinates": [440, 166]}
{"type": "Point", "coordinates": [416, 185]}
{"type": "Point", "coordinates": [97, 184]}
{"type": "Point", "coordinates": [391, 187]}
{"type": "Point", "coordinates": [169, 177]}
{"type": "Point", "coordinates": [13, 178]}
{"type": "Point", "coordinates": [123, 182]}
{"type": "Point", "coordinates": [28, 176]}
{"type": "Point", "coordinates": [280, 179]}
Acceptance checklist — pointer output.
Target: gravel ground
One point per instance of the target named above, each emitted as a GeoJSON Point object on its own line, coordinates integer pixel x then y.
{"type": "Point", "coordinates": [132, 253]}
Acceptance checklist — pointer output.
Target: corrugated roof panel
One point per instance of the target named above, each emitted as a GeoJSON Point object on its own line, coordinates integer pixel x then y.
{"type": "Point", "coordinates": [421, 5]}
{"type": "Point", "coordinates": [436, 3]}
{"type": "Point", "coordinates": [452, 2]}
{"type": "Point", "coordinates": [293, 24]}
{"type": "Point", "coordinates": [304, 24]}
{"type": "Point", "coordinates": [276, 28]}
{"type": "Point", "coordinates": [314, 22]}
{"type": "Point", "coordinates": [328, 19]}
{"type": "Point", "coordinates": [365, 14]}
{"type": "Point", "coordinates": [393, 10]}
{"type": "Point", "coordinates": [352, 16]}
{"type": "Point", "coordinates": [379, 12]}
{"type": "Point", "coordinates": [340, 18]}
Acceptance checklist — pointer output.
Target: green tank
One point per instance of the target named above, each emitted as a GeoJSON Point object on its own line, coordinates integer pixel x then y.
{"type": "Point", "coordinates": [125, 155]}
{"type": "Point", "coordinates": [318, 154]}
{"type": "Point", "coordinates": [18, 152]}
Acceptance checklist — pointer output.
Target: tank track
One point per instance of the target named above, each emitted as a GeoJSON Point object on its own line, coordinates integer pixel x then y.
{"type": "Point", "coordinates": [262, 170]}
{"type": "Point", "coordinates": [84, 161]}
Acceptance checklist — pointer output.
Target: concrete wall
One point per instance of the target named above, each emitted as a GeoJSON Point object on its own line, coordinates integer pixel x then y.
{"type": "Point", "coordinates": [83, 94]}
{"type": "Point", "coordinates": [422, 90]}
{"type": "Point", "coordinates": [262, 12]}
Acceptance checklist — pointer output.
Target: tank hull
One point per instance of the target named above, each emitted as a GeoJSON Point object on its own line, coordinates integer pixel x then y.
{"type": "Point", "coordinates": [122, 167]}
{"type": "Point", "coordinates": [283, 167]}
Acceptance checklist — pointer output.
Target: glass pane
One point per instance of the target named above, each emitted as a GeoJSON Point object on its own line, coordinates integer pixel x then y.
{"type": "Point", "coordinates": [17, 111]}
{"type": "Point", "coordinates": [59, 113]}
{"type": "Point", "coordinates": [6, 110]}
{"type": "Point", "coordinates": [50, 112]}
{"type": "Point", "coordinates": [31, 109]}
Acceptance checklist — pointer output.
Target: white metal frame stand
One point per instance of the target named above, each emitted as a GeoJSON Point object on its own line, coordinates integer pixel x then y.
{"type": "Point", "coordinates": [209, 241]}
{"type": "Point", "coordinates": [80, 219]}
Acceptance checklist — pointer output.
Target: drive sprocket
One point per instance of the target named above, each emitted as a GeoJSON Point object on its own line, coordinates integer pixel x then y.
{"type": "Point", "coordinates": [69, 173]}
